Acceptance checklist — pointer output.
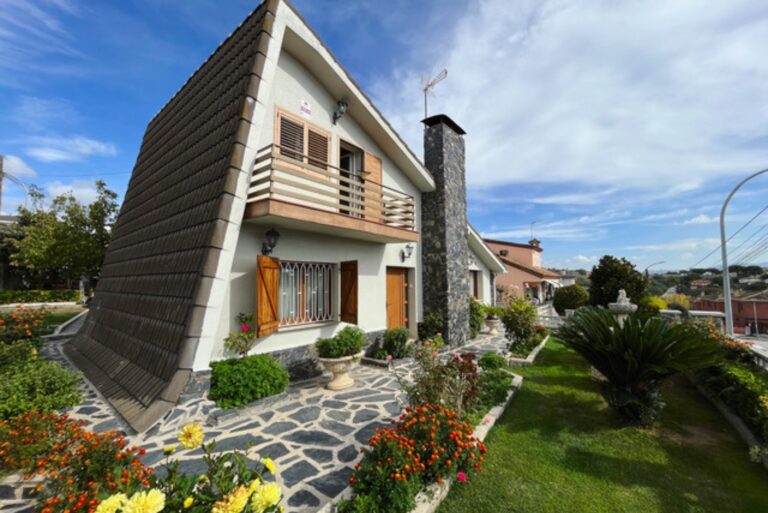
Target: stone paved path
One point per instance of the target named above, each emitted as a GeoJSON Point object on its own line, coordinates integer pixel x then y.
{"type": "Point", "coordinates": [314, 435]}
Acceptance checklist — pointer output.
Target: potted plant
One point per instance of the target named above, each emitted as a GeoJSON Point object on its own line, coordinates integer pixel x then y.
{"type": "Point", "coordinates": [493, 319]}
{"type": "Point", "coordinates": [340, 354]}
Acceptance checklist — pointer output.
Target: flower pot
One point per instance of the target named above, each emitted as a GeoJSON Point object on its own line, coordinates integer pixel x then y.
{"type": "Point", "coordinates": [340, 368]}
{"type": "Point", "coordinates": [493, 326]}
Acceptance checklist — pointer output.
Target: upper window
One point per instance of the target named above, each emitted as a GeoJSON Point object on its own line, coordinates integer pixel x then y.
{"type": "Point", "coordinates": [300, 140]}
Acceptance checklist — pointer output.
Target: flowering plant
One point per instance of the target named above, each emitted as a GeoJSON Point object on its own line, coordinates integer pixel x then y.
{"type": "Point", "coordinates": [23, 323]}
{"type": "Point", "coordinates": [241, 342]}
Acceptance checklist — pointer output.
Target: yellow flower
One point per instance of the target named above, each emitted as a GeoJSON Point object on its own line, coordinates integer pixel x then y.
{"type": "Point", "coordinates": [188, 502]}
{"type": "Point", "coordinates": [152, 501]}
{"type": "Point", "coordinates": [254, 484]}
{"type": "Point", "coordinates": [764, 400]}
{"type": "Point", "coordinates": [169, 449]}
{"type": "Point", "coordinates": [266, 496]}
{"type": "Point", "coordinates": [233, 503]}
{"type": "Point", "coordinates": [191, 435]}
{"type": "Point", "coordinates": [269, 465]}
{"type": "Point", "coordinates": [112, 504]}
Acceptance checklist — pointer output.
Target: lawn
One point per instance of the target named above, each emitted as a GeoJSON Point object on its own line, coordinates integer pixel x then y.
{"type": "Point", "coordinates": [61, 316]}
{"type": "Point", "coordinates": [559, 449]}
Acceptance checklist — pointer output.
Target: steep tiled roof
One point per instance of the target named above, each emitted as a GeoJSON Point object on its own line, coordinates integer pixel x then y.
{"type": "Point", "coordinates": [539, 272]}
{"type": "Point", "coordinates": [169, 233]}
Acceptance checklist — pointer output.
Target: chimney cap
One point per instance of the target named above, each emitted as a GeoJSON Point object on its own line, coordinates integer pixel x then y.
{"type": "Point", "coordinates": [442, 118]}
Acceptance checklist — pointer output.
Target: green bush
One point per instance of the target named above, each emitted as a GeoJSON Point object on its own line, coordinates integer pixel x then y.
{"type": "Point", "coordinates": [569, 298]}
{"type": "Point", "coordinates": [347, 342]}
{"type": "Point", "coordinates": [636, 357]}
{"type": "Point", "coordinates": [32, 383]}
{"type": "Point", "coordinates": [491, 361]}
{"type": "Point", "coordinates": [38, 296]}
{"type": "Point", "coordinates": [519, 318]}
{"type": "Point", "coordinates": [476, 317]}
{"type": "Point", "coordinates": [17, 353]}
{"type": "Point", "coordinates": [493, 312]}
{"type": "Point", "coordinates": [239, 381]}
{"type": "Point", "coordinates": [395, 342]}
{"type": "Point", "coordinates": [651, 305]}
{"type": "Point", "coordinates": [742, 386]}
{"type": "Point", "coordinates": [494, 386]}
{"type": "Point", "coordinates": [433, 324]}
{"type": "Point", "coordinates": [611, 275]}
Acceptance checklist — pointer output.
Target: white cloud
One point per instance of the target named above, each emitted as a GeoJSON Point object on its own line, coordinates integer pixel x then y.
{"type": "Point", "coordinates": [17, 167]}
{"type": "Point", "coordinates": [38, 113]}
{"type": "Point", "coordinates": [701, 219]}
{"type": "Point", "coordinates": [84, 190]}
{"type": "Point", "coordinates": [625, 95]}
{"type": "Point", "coordinates": [67, 149]}
{"type": "Point", "coordinates": [679, 245]}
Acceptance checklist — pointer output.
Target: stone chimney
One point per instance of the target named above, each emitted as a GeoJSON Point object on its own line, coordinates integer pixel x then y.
{"type": "Point", "coordinates": [444, 249]}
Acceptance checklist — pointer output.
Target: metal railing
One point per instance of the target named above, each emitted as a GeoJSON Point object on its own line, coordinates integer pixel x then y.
{"type": "Point", "coordinates": [283, 174]}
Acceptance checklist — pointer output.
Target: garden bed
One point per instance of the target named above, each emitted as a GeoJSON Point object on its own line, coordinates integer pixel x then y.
{"type": "Point", "coordinates": [516, 361]}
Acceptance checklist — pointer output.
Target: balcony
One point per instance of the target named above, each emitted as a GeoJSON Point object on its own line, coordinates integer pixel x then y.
{"type": "Point", "coordinates": [294, 191]}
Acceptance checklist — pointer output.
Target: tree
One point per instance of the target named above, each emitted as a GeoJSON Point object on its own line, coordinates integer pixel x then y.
{"type": "Point", "coordinates": [569, 298]}
{"type": "Point", "coordinates": [611, 275]}
{"type": "Point", "coordinates": [67, 241]}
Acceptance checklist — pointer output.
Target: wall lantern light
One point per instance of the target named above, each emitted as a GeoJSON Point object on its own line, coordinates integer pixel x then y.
{"type": "Point", "coordinates": [272, 236]}
{"type": "Point", "coordinates": [341, 109]}
{"type": "Point", "coordinates": [406, 252]}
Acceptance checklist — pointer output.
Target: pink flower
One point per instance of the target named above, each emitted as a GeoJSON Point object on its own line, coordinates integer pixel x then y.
{"type": "Point", "coordinates": [462, 477]}
{"type": "Point", "coordinates": [435, 353]}
{"type": "Point", "coordinates": [487, 420]}
{"type": "Point", "coordinates": [389, 357]}
{"type": "Point", "coordinates": [245, 328]}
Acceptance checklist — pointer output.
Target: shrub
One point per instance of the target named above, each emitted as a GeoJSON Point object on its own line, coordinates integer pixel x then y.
{"type": "Point", "coordinates": [28, 382]}
{"type": "Point", "coordinates": [519, 318]}
{"type": "Point", "coordinates": [491, 361]}
{"type": "Point", "coordinates": [569, 298]}
{"type": "Point", "coordinates": [681, 302]}
{"type": "Point", "coordinates": [395, 342]}
{"type": "Point", "coordinates": [611, 275]}
{"type": "Point", "coordinates": [429, 443]}
{"type": "Point", "coordinates": [239, 381]}
{"type": "Point", "coordinates": [635, 358]}
{"type": "Point", "coordinates": [347, 342]}
{"type": "Point", "coordinates": [433, 324]}
{"type": "Point", "coordinates": [494, 312]}
{"type": "Point", "coordinates": [241, 342]}
{"type": "Point", "coordinates": [23, 324]}
{"type": "Point", "coordinates": [494, 385]}
{"type": "Point", "coordinates": [476, 317]}
{"type": "Point", "coordinates": [39, 296]}
{"type": "Point", "coordinates": [651, 305]}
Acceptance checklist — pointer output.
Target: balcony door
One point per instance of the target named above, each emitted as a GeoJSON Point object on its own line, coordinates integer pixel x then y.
{"type": "Point", "coordinates": [397, 297]}
{"type": "Point", "coordinates": [350, 180]}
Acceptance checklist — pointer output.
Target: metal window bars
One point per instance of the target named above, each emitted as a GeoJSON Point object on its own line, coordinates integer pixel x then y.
{"type": "Point", "coordinates": [306, 292]}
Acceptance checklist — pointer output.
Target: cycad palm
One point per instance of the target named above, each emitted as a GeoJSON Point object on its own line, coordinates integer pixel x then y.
{"type": "Point", "coordinates": [636, 357]}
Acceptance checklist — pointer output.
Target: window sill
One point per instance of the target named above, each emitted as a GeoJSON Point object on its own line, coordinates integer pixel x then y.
{"type": "Point", "coordinates": [299, 327]}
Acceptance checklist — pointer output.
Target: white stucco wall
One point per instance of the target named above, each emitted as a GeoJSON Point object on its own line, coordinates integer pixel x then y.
{"type": "Point", "coordinates": [486, 289]}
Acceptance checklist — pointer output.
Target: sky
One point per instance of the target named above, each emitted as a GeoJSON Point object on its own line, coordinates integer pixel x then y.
{"type": "Point", "coordinates": [598, 126]}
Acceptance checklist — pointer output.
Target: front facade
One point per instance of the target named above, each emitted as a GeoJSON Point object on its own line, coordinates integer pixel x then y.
{"type": "Point", "coordinates": [525, 276]}
{"type": "Point", "coordinates": [269, 185]}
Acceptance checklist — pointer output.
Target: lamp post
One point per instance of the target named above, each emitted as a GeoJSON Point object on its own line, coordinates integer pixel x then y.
{"type": "Point", "coordinates": [655, 263]}
{"type": "Point", "coordinates": [724, 250]}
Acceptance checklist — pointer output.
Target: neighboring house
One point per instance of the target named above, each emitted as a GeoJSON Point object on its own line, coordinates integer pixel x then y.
{"type": "Point", "coordinates": [525, 276]}
{"type": "Point", "coordinates": [700, 283]}
{"type": "Point", "coordinates": [749, 309]}
{"type": "Point", "coordinates": [270, 184]}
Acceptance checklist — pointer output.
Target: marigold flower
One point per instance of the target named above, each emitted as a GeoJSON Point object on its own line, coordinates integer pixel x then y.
{"type": "Point", "coordinates": [169, 449]}
{"type": "Point", "coordinates": [269, 465]}
{"type": "Point", "coordinates": [187, 502]}
{"type": "Point", "coordinates": [265, 496]}
{"type": "Point", "coordinates": [152, 501]}
{"type": "Point", "coordinates": [112, 504]}
{"type": "Point", "coordinates": [191, 435]}
{"type": "Point", "coordinates": [235, 502]}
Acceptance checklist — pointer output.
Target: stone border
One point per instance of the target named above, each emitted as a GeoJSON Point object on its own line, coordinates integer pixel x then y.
{"type": "Point", "coordinates": [744, 432]}
{"type": "Point", "coordinates": [522, 362]}
{"type": "Point", "coordinates": [429, 499]}
{"type": "Point", "coordinates": [51, 304]}
{"type": "Point", "coordinates": [62, 327]}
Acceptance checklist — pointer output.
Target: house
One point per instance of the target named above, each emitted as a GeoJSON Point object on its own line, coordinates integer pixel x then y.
{"type": "Point", "coordinates": [700, 283]}
{"type": "Point", "coordinates": [525, 276]}
{"type": "Point", "coordinates": [270, 185]}
{"type": "Point", "coordinates": [748, 309]}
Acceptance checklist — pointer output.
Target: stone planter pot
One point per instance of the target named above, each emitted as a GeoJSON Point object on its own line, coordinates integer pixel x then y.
{"type": "Point", "coordinates": [493, 326]}
{"type": "Point", "coordinates": [340, 368]}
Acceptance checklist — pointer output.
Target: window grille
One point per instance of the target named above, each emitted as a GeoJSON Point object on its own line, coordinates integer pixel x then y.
{"type": "Point", "coordinates": [305, 292]}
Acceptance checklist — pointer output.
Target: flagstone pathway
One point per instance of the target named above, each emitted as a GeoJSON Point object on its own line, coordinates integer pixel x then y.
{"type": "Point", "coordinates": [314, 435]}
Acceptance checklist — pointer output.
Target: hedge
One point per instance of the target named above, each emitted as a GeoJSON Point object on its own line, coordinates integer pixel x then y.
{"type": "Point", "coordinates": [38, 296]}
{"type": "Point", "coordinates": [239, 381]}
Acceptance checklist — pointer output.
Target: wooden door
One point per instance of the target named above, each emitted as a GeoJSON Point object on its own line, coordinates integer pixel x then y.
{"type": "Point", "coordinates": [397, 297]}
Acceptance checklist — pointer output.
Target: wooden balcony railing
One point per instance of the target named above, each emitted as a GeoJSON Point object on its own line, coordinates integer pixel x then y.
{"type": "Point", "coordinates": [285, 175]}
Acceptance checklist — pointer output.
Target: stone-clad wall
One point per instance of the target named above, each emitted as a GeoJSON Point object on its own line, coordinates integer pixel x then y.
{"type": "Point", "coordinates": [445, 253]}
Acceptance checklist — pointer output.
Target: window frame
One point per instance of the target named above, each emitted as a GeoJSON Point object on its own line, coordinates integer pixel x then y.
{"type": "Point", "coordinates": [303, 319]}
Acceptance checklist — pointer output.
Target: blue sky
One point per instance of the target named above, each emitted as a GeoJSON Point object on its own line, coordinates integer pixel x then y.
{"type": "Point", "coordinates": [616, 126]}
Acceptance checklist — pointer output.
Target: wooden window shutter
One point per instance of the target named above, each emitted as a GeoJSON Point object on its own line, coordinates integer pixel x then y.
{"type": "Point", "coordinates": [267, 295]}
{"type": "Point", "coordinates": [291, 138]}
{"type": "Point", "coordinates": [349, 292]}
{"type": "Point", "coordinates": [317, 148]}
{"type": "Point", "coordinates": [372, 170]}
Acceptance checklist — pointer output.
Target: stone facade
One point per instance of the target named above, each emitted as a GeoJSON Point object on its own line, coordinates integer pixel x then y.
{"type": "Point", "coordinates": [445, 253]}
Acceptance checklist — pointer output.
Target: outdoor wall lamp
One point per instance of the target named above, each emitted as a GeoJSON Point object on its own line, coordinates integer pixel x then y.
{"type": "Point", "coordinates": [406, 252]}
{"type": "Point", "coordinates": [341, 109]}
{"type": "Point", "coordinates": [272, 236]}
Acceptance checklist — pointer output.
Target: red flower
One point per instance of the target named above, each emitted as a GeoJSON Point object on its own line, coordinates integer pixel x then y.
{"type": "Point", "coordinates": [245, 328]}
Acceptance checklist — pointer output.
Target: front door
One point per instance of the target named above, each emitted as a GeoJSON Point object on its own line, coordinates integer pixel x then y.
{"type": "Point", "coordinates": [397, 297]}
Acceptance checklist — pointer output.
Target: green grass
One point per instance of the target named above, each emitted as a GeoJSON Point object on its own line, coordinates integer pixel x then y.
{"type": "Point", "coordinates": [61, 316]}
{"type": "Point", "coordinates": [559, 449]}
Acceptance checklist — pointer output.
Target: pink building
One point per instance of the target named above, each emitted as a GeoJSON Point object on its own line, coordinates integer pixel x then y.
{"type": "Point", "coordinates": [525, 276]}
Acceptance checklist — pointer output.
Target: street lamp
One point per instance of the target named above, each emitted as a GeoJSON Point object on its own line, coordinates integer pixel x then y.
{"type": "Point", "coordinates": [724, 250]}
{"type": "Point", "coordinates": [655, 263]}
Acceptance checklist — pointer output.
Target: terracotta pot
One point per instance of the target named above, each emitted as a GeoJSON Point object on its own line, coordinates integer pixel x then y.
{"type": "Point", "coordinates": [340, 368]}
{"type": "Point", "coordinates": [493, 326]}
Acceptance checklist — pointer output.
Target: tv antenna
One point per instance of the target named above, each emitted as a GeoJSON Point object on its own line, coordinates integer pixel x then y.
{"type": "Point", "coordinates": [430, 85]}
